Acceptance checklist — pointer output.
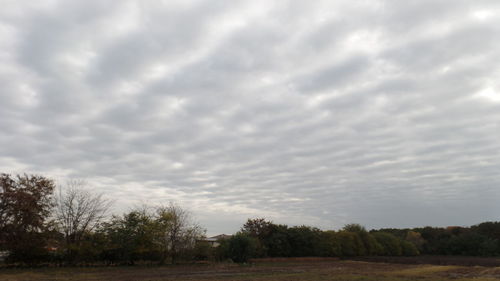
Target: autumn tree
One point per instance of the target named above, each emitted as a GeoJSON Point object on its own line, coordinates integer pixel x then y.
{"type": "Point", "coordinates": [25, 206]}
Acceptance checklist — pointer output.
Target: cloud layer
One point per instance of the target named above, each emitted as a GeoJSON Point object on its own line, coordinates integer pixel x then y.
{"type": "Point", "coordinates": [385, 113]}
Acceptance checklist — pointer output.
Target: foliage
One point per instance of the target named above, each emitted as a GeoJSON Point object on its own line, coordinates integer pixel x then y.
{"type": "Point", "coordinates": [241, 247]}
{"type": "Point", "coordinates": [351, 244]}
{"type": "Point", "coordinates": [472, 244]}
{"type": "Point", "coordinates": [25, 206]}
{"type": "Point", "coordinates": [416, 239]}
{"type": "Point", "coordinates": [131, 237]}
{"type": "Point", "coordinates": [277, 242]}
{"type": "Point", "coordinates": [257, 228]}
{"type": "Point", "coordinates": [167, 234]}
{"type": "Point", "coordinates": [178, 234]}
{"type": "Point", "coordinates": [304, 241]}
{"type": "Point", "coordinates": [330, 244]}
{"type": "Point", "coordinates": [408, 248]}
{"type": "Point", "coordinates": [390, 243]}
{"type": "Point", "coordinates": [370, 245]}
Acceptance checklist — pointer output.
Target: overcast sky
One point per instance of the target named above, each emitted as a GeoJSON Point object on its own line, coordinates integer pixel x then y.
{"type": "Point", "coordinates": [384, 113]}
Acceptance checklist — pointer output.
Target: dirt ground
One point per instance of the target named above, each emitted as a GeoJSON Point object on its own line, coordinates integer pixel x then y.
{"type": "Point", "coordinates": [264, 270]}
{"type": "Point", "coordinates": [435, 260]}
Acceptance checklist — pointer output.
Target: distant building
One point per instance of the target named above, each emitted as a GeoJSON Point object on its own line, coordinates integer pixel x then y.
{"type": "Point", "coordinates": [214, 240]}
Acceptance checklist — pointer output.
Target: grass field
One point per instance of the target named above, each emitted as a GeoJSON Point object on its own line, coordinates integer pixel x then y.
{"type": "Point", "coordinates": [270, 271]}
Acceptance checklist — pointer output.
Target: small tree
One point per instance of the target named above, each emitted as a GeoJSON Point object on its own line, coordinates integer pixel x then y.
{"type": "Point", "coordinates": [131, 237]}
{"type": "Point", "coordinates": [177, 231]}
{"type": "Point", "coordinates": [77, 213]}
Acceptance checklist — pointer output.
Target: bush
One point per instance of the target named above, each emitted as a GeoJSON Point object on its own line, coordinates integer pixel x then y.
{"type": "Point", "coordinates": [241, 247]}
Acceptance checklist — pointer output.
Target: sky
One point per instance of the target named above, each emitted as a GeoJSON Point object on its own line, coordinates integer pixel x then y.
{"type": "Point", "coordinates": [323, 113]}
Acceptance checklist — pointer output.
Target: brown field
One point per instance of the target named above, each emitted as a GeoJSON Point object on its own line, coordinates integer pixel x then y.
{"type": "Point", "coordinates": [277, 270]}
{"type": "Point", "coordinates": [435, 260]}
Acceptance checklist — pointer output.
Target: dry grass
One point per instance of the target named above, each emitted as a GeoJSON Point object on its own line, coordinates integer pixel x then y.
{"type": "Point", "coordinates": [291, 270]}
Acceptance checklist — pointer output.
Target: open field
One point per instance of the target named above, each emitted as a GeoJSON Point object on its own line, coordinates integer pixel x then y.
{"type": "Point", "coordinates": [266, 271]}
{"type": "Point", "coordinates": [435, 260]}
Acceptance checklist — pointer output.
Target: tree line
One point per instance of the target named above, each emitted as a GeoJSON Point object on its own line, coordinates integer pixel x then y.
{"type": "Point", "coordinates": [261, 238]}
{"type": "Point", "coordinates": [71, 226]}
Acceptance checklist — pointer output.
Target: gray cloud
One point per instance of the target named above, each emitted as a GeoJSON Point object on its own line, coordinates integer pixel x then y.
{"type": "Point", "coordinates": [322, 113]}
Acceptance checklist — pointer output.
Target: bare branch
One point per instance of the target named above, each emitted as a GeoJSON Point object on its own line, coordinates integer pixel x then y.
{"type": "Point", "coordinates": [78, 211]}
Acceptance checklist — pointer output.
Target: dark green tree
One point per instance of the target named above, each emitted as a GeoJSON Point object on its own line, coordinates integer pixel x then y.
{"type": "Point", "coordinates": [370, 244]}
{"type": "Point", "coordinates": [277, 241]}
{"type": "Point", "coordinates": [350, 244]}
{"type": "Point", "coordinates": [131, 237]}
{"type": "Point", "coordinates": [241, 247]}
{"type": "Point", "coordinates": [391, 244]}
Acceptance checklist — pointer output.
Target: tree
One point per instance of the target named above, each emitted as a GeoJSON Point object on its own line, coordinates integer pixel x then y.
{"type": "Point", "coordinates": [390, 243]}
{"type": "Point", "coordinates": [354, 227]}
{"type": "Point", "coordinates": [78, 212]}
{"type": "Point", "coordinates": [258, 227]}
{"type": "Point", "coordinates": [330, 244]}
{"type": "Point", "coordinates": [408, 248]}
{"type": "Point", "coordinates": [178, 232]}
{"type": "Point", "coordinates": [277, 242]}
{"type": "Point", "coordinates": [131, 237]}
{"type": "Point", "coordinates": [416, 239]}
{"type": "Point", "coordinates": [350, 243]}
{"type": "Point", "coordinates": [436, 240]}
{"type": "Point", "coordinates": [490, 229]}
{"type": "Point", "coordinates": [241, 247]}
{"type": "Point", "coordinates": [370, 244]}
{"type": "Point", "coordinates": [472, 244]}
{"type": "Point", "coordinates": [305, 241]}
{"type": "Point", "coordinates": [25, 206]}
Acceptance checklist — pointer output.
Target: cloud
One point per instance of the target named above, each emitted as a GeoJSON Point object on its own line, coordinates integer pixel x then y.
{"type": "Point", "coordinates": [319, 113]}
